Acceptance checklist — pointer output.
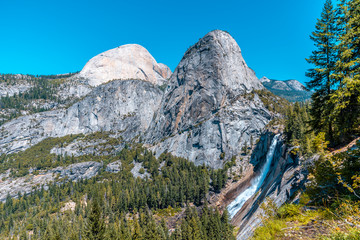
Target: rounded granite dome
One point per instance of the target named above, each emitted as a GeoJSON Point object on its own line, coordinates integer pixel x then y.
{"type": "Point", "coordinates": [130, 61]}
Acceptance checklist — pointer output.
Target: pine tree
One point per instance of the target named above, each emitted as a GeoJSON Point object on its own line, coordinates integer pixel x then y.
{"type": "Point", "coordinates": [346, 98]}
{"type": "Point", "coordinates": [324, 59]}
{"type": "Point", "coordinates": [137, 234]}
{"type": "Point", "coordinates": [95, 226]}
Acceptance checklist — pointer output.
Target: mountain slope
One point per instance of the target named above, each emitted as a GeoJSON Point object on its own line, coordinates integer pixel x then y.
{"type": "Point", "coordinates": [126, 105]}
{"type": "Point", "coordinates": [208, 109]}
{"type": "Point", "coordinates": [292, 90]}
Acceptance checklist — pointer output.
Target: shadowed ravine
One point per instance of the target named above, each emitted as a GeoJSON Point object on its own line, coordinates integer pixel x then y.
{"type": "Point", "coordinates": [256, 183]}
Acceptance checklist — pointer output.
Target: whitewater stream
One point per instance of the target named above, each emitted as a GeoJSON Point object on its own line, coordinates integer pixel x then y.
{"type": "Point", "coordinates": [256, 183]}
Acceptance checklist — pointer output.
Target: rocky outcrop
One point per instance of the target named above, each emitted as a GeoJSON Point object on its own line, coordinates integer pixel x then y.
{"type": "Point", "coordinates": [10, 186]}
{"type": "Point", "coordinates": [136, 171]}
{"type": "Point", "coordinates": [114, 167]}
{"type": "Point", "coordinates": [12, 84]}
{"type": "Point", "coordinates": [288, 85]}
{"type": "Point", "coordinates": [129, 61]}
{"type": "Point", "coordinates": [124, 106]}
{"type": "Point", "coordinates": [13, 89]}
{"type": "Point", "coordinates": [207, 109]}
{"type": "Point", "coordinates": [25, 185]}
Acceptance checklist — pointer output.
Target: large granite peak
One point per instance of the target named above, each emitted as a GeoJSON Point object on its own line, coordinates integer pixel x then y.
{"type": "Point", "coordinates": [130, 61]}
{"type": "Point", "coordinates": [204, 111]}
{"type": "Point", "coordinates": [218, 55]}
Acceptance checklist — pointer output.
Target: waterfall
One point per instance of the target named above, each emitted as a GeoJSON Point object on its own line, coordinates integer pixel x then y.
{"type": "Point", "coordinates": [256, 183]}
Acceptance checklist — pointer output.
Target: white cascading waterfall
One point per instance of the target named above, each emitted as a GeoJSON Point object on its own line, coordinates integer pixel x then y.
{"type": "Point", "coordinates": [256, 183]}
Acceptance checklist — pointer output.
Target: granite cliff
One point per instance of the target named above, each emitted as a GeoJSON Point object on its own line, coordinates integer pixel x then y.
{"type": "Point", "coordinates": [207, 109]}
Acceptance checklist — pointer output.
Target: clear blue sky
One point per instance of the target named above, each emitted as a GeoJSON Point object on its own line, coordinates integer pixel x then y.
{"type": "Point", "coordinates": [60, 36]}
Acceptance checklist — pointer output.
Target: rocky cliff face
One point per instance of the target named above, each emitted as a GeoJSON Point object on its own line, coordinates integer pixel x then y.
{"type": "Point", "coordinates": [124, 106]}
{"type": "Point", "coordinates": [209, 112]}
{"type": "Point", "coordinates": [285, 178]}
{"type": "Point", "coordinates": [206, 109]}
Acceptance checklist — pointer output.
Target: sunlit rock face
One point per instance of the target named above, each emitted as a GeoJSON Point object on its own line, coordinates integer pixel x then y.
{"type": "Point", "coordinates": [129, 61]}
{"type": "Point", "coordinates": [206, 109]}
{"type": "Point", "coordinates": [206, 113]}
{"type": "Point", "coordinates": [124, 106]}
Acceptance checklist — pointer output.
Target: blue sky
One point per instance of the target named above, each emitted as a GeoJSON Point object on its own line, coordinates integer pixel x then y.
{"type": "Point", "coordinates": [51, 37]}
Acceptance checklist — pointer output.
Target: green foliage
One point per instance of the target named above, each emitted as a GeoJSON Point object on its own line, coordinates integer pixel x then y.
{"type": "Point", "coordinates": [336, 75]}
{"type": "Point", "coordinates": [324, 58]}
{"type": "Point", "coordinates": [335, 176]}
{"type": "Point", "coordinates": [39, 156]}
{"type": "Point", "coordinates": [319, 144]}
{"type": "Point", "coordinates": [297, 130]}
{"type": "Point", "coordinates": [346, 98]}
{"type": "Point", "coordinates": [165, 191]}
{"type": "Point", "coordinates": [205, 225]}
{"type": "Point", "coordinates": [289, 210]}
{"type": "Point", "coordinates": [95, 225]}
{"type": "Point", "coordinates": [272, 102]}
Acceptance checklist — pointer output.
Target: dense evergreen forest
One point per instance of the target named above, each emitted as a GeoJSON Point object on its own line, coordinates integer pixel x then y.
{"type": "Point", "coordinates": [119, 206]}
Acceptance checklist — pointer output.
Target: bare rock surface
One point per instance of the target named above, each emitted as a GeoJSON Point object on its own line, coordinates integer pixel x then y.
{"type": "Point", "coordinates": [206, 110]}
{"type": "Point", "coordinates": [25, 185]}
{"type": "Point", "coordinates": [129, 61]}
{"type": "Point", "coordinates": [125, 106]}
{"type": "Point", "coordinates": [136, 169]}
{"type": "Point", "coordinates": [206, 114]}
{"type": "Point", "coordinates": [13, 89]}
{"type": "Point", "coordinates": [114, 166]}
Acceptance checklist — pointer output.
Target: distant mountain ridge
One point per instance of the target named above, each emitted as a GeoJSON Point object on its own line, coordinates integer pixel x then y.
{"type": "Point", "coordinates": [292, 90]}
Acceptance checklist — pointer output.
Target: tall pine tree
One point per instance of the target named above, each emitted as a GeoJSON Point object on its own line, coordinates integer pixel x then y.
{"type": "Point", "coordinates": [346, 99]}
{"type": "Point", "coordinates": [95, 227]}
{"type": "Point", "coordinates": [324, 58]}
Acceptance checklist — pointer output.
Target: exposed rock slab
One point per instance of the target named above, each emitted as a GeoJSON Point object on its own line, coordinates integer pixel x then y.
{"type": "Point", "coordinates": [129, 61]}
{"type": "Point", "coordinates": [136, 171]}
{"type": "Point", "coordinates": [13, 89]}
{"type": "Point", "coordinates": [124, 106]}
{"type": "Point", "coordinates": [285, 177]}
{"type": "Point", "coordinates": [26, 184]}
{"type": "Point", "coordinates": [205, 110]}
{"type": "Point", "coordinates": [114, 167]}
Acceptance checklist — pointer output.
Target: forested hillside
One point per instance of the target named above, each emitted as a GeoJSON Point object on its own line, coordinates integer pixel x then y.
{"type": "Point", "coordinates": [119, 206]}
